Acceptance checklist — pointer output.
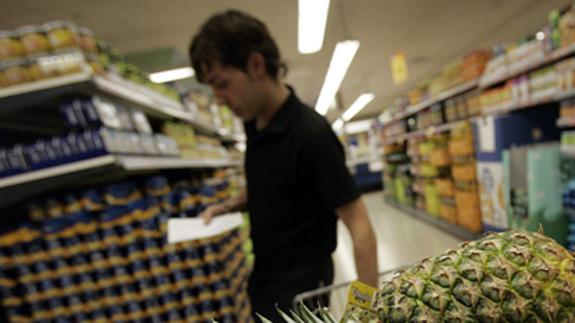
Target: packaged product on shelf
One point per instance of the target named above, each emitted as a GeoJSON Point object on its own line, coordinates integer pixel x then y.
{"type": "Point", "coordinates": [445, 186]}
{"type": "Point", "coordinates": [36, 71]}
{"type": "Point", "coordinates": [468, 210]}
{"type": "Point", "coordinates": [10, 45]}
{"type": "Point", "coordinates": [566, 27]}
{"type": "Point", "coordinates": [525, 54]}
{"type": "Point", "coordinates": [63, 35]}
{"type": "Point", "coordinates": [448, 209]}
{"type": "Point", "coordinates": [473, 103]}
{"type": "Point", "coordinates": [566, 74]}
{"type": "Point", "coordinates": [464, 172]}
{"type": "Point", "coordinates": [88, 40]}
{"type": "Point", "coordinates": [14, 72]}
{"type": "Point", "coordinates": [432, 202]}
{"type": "Point", "coordinates": [474, 64]}
{"type": "Point", "coordinates": [496, 68]}
{"type": "Point", "coordinates": [166, 145]}
{"type": "Point", "coordinates": [34, 40]}
{"type": "Point", "coordinates": [543, 83]}
{"type": "Point", "coordinates": [567, 108]}
{"type": "Point", "coordinates": [533, 197]}
{"type": "Point", "coordinates": [140, 121]}
{"type": "Point", "coordinates": [496, 97]}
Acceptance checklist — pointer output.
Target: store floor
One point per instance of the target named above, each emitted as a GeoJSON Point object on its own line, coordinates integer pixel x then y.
{"type": "Point", "coordinates": [401, 240]}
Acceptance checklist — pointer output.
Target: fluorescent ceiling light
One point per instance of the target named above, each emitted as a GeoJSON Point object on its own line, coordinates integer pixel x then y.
{"type": "Point", "coordinates": [356, 106]}
{"type": "Point", "coordinates": [337, 125]}
{"type": "Point", "coordinates": [172, 75]}
{"type": "Point", "coordinates": [338, 66]}
{"type": "Point", "coordinates": [312, 17]}
{"type": "Point", "coordinates": [358, 126]}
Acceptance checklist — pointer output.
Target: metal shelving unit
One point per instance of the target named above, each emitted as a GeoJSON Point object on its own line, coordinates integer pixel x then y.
{"type": "Point", "coordinates": [121, 163]}
{"type": "Point", "coordinates": [453, 229]}
{"type": "Point", "coordinates": [548, 59]}
{"type": "Point", "coordinates": [470, 85]}
{"type": "Point", "coordinates": [495, 110]}
{"type": "Point", "coordinates": [153, 104]}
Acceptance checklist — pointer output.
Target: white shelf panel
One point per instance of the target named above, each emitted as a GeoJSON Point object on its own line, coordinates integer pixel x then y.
{"type": "Point", "coordinates": [149, 101]}
{"type": "Point", "coordinates": [440, 97]}
{"type": "Point", "coordinates": [124, 163]}
{"type": "Point", "coordinates": [123, 90]}
{"type": "Point", "coordinates": [549, 58]}
{"type": "Point", "coordinates": [56, 171]}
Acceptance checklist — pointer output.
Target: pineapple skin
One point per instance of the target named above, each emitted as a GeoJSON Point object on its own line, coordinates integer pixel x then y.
{"type": "Point", "coordinates": [503, 277]}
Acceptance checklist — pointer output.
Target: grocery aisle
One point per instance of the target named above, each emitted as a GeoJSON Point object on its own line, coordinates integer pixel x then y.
{"type": "Point", "coordinates": [401, 240]}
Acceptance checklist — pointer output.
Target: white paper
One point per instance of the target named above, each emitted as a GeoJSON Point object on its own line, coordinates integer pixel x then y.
{"type": "Point", "coordinates": [192, 229]}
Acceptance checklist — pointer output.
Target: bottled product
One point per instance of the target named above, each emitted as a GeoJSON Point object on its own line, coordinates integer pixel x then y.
{"type": "Point", "coordinates": [34, 40]}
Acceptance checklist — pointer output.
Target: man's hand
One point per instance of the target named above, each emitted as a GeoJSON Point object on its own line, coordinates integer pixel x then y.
{"type": "Point", "coordinates": [212, 211]}
{"type": "Point", "coordinates": [230, 205]}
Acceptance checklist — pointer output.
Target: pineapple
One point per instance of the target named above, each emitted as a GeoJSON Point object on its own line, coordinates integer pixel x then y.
{"type": "Point", "coordinates": [505, 277]}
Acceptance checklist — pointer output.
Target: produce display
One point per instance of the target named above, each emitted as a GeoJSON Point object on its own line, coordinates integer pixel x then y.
{"type": "Point", "coordinates": [101, 254]}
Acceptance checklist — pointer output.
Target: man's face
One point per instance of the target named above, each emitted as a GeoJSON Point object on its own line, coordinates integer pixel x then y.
{"type": "Point", "coordinates": [236, 89]}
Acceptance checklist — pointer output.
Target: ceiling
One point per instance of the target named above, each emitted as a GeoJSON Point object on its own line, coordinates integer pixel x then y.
{"type": "Point", "coordinates": [431, 33]}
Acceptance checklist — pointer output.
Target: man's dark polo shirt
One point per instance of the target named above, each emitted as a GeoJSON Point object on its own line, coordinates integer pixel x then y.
{"type": "Point", "coordinates": [296, 178]}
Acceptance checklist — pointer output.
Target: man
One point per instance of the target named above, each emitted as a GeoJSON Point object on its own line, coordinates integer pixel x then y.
{"type": "Point", "coordinates": [297, 182]}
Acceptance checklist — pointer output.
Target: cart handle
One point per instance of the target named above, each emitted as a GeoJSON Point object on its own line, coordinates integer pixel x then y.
{"type": "Point", "coordinates": [326, 289]}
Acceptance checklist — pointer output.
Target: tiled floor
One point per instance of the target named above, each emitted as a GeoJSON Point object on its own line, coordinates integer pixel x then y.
{"type": "Point", "coordinates": [401, 240]}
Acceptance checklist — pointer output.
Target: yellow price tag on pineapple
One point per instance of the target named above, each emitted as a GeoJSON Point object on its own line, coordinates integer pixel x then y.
{"type": "Point", "coordinates": [361, 294]}
{"type": "Point", "coordinates": [359, 307]}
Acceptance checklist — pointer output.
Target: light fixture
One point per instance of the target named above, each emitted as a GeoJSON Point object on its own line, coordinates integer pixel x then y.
{"type": "Point", "coordinates": [338, 66]}
{"type": "Point", "coordinates": [312, 17]}
{"type": "Point", "coordinates": [172, 75]}
{"type": "Point", "coordinates": [337, 125]}
{"type": "Point", "coordinates": [540, 35]}
{"type": "Point", "coordinates": [358, 126]}
{"type": "Point", "coordinates": [356, 106]}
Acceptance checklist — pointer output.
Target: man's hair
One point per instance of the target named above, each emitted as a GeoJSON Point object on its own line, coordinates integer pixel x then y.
{"type": "Point", "coordinates": [229, 38]}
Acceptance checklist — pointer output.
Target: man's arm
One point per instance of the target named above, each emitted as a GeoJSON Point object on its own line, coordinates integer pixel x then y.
{"type": "Point", "coordinates": [232, 204]}
{"type": "Point", "coordinates": [354, 215]}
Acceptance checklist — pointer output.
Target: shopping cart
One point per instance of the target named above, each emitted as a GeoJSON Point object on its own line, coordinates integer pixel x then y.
{"type": "Point", "coordinates": [321, 295]}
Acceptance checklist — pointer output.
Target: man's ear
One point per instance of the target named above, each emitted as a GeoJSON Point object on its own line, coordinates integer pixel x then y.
{"type": "Point", "coordinates": [256, 65]}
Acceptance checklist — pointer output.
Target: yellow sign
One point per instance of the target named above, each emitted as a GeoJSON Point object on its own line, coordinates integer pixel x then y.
{"type": "Point", "coordinates": [399, 68]}
{"type": "Point", "coordinates": [360, 304]}
{"type": "Point", "coordinates": [360, 294]}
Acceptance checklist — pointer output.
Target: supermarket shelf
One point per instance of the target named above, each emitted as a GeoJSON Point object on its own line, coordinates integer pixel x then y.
{"type": "Point", "coordinates": [152, 103]}
{"type": "Point", "coordinates": [125, 163]}
{"type": "Point", "coordinates": [43, 85]}
{"type": "Point", "coordinates": [495, 110]}
{"type": "Point", "coordinates": [549, 59]}
{"type": "Point", "coordinates": [56, 171]}
{"type": "Point", "coordinates": [148, 101]}
{"type": "Point", "coordinates": [435, 221]}
{"type": "Point", "coordinates": [440, 97]}
{"type": "Point", "coordinates": [429, 131]}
